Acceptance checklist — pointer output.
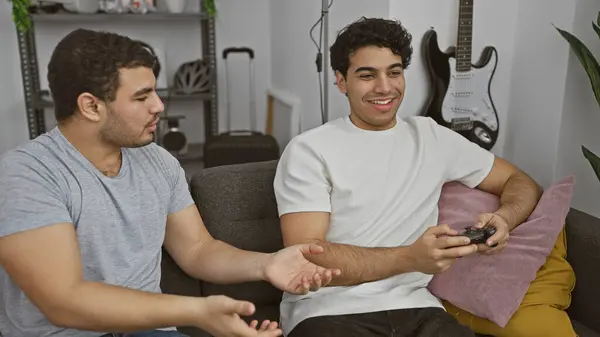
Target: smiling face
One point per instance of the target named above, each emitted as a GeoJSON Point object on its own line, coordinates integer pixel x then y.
{"type": "Point", "coordinates": [375, 87]}
{"type": "Point", "coordinates": [131, 119]}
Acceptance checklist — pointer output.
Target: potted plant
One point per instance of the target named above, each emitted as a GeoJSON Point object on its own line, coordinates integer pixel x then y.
{"type": "Point", "coordinates": [20, 14]}
{"type": "Point", "coordinates": [209, 7]}
{"type": "Point", "coordinates": [592, 68]}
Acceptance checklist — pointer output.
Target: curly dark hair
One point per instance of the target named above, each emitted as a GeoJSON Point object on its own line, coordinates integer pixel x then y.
{"type": "Point", "coordinates": [89, 61]}
{"type": "Point", "coordinates": [365, 32]}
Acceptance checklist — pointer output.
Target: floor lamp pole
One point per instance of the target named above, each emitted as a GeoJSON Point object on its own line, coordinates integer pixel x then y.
{"type": "Point", "coordinates": [325, 13]}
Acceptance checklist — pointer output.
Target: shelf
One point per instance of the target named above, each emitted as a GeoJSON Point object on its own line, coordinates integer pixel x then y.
{"type": "Point", "coordinates": [164, 94]}
{"type": "Point", "coordinates": [36, 100]}
{"type": "Point", "coordinates": [45, 101]}
{"type": "Point", "coordinates": [129, 17]}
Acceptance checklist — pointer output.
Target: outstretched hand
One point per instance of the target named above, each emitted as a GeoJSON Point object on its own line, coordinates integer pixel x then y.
{"type": "Point", "coordinates": [221, 317]}
{"type": "Point", "coordinates": [290, 270]}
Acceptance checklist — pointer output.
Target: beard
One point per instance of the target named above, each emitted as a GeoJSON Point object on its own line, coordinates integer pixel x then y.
{"type": "Point", "coordinates": [118, 132]}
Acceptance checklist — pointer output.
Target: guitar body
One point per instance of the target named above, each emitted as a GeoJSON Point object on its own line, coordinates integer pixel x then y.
{"type": "Point", "coordinates": [462, 101]}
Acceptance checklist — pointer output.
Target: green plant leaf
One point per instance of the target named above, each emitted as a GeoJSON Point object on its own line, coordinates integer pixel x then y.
{"type": "Point", "coordinates": [587, 59]}
{"type": "Point", "coordinates": [593, 159]}
{"type": "Point", "coordinates": [210, 8]}
{"type": "Point", "coordinates": [596, 29]}
{"type": "Point", "coordinates": [20, 14]}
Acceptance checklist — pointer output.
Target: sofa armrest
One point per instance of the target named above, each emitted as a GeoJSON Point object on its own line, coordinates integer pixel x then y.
{"type": "Point", "coordinates": [583, 253]}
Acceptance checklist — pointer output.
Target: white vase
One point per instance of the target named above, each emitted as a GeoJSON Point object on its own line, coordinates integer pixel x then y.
{"type": "Point", "coordinates": [176, 6]}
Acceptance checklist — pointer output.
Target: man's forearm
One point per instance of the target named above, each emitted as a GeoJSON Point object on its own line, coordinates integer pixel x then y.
{"type": "Point", "coordinates": [361, 264]}
{"type": "Point", "coordinates": [518, 199]}
{"type": "Point", "coordinates": [100, 307]}
{"type": "Point", "coordinates": [219, 262]}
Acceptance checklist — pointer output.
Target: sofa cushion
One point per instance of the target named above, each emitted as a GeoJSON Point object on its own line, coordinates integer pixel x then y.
{"type": "Point", "coordinates": [493, 286]}
{"type": "Point", "coordinates": [237, 204]}
{"type": "Point", "coordinates": [542, 311]}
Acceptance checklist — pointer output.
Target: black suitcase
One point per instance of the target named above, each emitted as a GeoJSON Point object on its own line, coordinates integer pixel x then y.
{"type": "Point", "coordinates": [243, 146]}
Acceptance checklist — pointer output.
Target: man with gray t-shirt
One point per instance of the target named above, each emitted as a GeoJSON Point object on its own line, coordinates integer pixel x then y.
{"type": "Point", "coordinates": [86, 208]}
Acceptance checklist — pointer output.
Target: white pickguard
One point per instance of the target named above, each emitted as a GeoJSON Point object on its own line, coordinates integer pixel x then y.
{"type": "Point", "coordinates": [468, 95]}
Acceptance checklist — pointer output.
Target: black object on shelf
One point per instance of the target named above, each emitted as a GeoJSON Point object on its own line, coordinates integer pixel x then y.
{"type": "Point", "coordinates": [172, 138]}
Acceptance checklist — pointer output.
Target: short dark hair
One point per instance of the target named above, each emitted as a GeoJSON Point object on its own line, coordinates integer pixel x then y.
{"type": "Point", "coordinates": [365, 32]}
{"type": "Point", "coordinates": [89, 61]}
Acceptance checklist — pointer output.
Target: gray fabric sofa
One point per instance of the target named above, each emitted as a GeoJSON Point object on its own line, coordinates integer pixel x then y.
{"type": "Point", "coordinates": [238, 206]}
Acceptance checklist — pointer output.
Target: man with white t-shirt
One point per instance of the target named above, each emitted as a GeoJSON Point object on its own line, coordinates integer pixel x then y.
{"type": "Point", "coordinates": [366, 187]}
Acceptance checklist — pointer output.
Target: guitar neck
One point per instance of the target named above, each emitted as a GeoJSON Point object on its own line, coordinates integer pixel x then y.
{"type": "Point", "coordinates": [465, 35]}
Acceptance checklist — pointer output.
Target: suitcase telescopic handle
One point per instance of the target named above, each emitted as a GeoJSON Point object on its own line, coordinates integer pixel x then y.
{"type": "Point", "coordinates": [235, 50]}
{"type": "Point", "coordinates": [250, 52]}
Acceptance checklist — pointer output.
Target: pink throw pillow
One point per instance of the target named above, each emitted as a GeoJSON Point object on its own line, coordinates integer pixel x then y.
{"type": "Point", "coordinates": [493, 286]}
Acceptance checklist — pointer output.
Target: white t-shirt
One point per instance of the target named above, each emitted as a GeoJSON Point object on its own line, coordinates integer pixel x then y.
{"type": "Point", "coordinates": [382, 189]}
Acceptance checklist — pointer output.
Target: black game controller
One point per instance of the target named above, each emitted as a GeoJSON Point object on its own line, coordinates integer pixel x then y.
{"type": "Point", "coordinates": [478, 235]}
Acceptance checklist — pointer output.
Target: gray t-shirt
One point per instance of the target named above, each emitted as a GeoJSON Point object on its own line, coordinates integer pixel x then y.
{"type": "Point", "coordinates": [120, 221]}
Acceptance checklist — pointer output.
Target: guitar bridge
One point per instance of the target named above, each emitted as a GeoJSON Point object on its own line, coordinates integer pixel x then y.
{"type": "Point", "coordinates": [461, 124]}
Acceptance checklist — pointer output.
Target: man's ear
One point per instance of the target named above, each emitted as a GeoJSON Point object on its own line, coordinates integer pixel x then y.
{"type": "Point", "coordinates": [89, 106]}
{"type": "Point", "coordinates": [340, 81]}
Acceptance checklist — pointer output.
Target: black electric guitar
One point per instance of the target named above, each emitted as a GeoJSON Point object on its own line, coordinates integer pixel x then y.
{"type": "Point", "coordinates": [460, 97]}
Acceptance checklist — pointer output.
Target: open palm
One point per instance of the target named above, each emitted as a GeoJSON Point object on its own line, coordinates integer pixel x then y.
{"type": "Point", "coordinates": [290, 271]}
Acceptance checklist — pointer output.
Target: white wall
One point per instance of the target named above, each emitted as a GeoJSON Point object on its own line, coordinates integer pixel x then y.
{"type": "Point", "coordinates": [580, 118]}
{"type": "Point", "coordinates": [234, 28]}
{"type": "Point", "coordinates": [342, 13]}
{"type": "Point", "coordinates": [538, 85]}
{"type": "Point", "coordinates": [13, 124]}
{"type": "Point", "coordinates": [552, 109]}
{"type": "Point", "coordinates": [293, 52]}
